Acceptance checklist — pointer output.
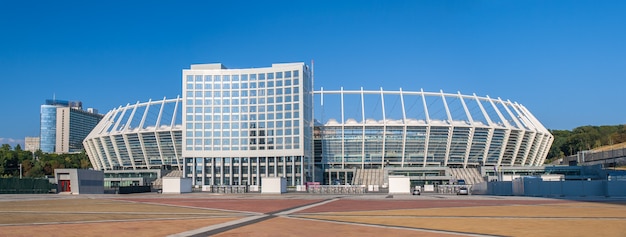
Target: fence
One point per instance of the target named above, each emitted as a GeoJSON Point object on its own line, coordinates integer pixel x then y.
{"type": "Point", "coordinates": [25, 186]}
{"type": "Point", "coordinates": [337, 189]}
{"type": "Point", "coordinates": [451, 189]}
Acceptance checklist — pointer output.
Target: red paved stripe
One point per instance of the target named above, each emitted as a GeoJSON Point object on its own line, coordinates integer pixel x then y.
{"type": "Point", "coordinates": [374, 205]}
{"type": "Point", "coordinates": [250, 205]}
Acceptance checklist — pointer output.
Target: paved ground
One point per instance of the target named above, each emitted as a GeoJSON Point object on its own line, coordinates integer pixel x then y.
{"type": "Point", "coordinates": [202, 214]}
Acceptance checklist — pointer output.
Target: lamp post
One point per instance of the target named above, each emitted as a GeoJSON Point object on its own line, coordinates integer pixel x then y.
{"type": "Point", "coordinates": [20, 170]}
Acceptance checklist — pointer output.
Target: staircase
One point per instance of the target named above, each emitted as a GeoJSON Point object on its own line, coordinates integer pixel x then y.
{"type": "Point", "coordinates": [369, 177]}
{"type": "Point", "coordinates": [470, 175]}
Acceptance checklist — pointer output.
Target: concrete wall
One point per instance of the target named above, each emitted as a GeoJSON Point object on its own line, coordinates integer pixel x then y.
{"type": "Point", "coordinates": [91, 181]}
{"type": "Point", "coordinates": [176, 185]}
{"type": "Point", "coordinates": [82, 181]}
{"type": "Point", "coordinates": [399, 185]}
{"type": "Point", "coordinates": [273, 185]}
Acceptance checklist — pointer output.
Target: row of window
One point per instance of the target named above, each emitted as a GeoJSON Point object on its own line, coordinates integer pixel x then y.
{"type": "Point", "coordinates": [278, 100]}
{"type": "Point", "coordinates": [244, 77]}
{"type": "Point", "coordinates": [243, 144]}
{"type": "Point", "coordinates": [235, 117]}
{"type": "Point", "coordinates": [287, 83]}
{"type": "Point", "coordinates": [244, 160]}
{"type": "Point", "coordinates": [245, 109]}
{"type": "Point", "coordinates": [234, 124]}
{"type": "Point", "coordinates": [269, 133]}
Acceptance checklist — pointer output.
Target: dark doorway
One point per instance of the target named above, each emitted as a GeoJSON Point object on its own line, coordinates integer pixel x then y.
{"type": "Point", "coordinates": [64, 186]}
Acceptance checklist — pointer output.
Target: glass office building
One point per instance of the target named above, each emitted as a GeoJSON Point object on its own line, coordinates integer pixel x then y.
{"type": "Point", "coordinates": [48, 128]}
{"type": "Point", "coordinates": [243, 124]}
{"type": "Point", "coordinates": [64, 125]}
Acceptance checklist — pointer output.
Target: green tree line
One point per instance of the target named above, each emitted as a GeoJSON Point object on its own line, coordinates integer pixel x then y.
{"type": "Point", "coordinates": [37, 164]}
{"type": "Point", "coordinates": [584, 138]}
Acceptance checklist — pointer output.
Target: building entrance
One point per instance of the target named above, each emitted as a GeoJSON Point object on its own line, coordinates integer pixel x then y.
{"type": "Point", "coordinates": [64, 186]}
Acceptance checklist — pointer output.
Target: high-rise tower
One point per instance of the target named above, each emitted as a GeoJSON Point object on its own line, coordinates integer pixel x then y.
{"type": "Point", "coordinates": [64, 125]}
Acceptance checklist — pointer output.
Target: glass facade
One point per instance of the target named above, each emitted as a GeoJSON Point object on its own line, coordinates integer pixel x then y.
{"type": "Point", "coordinates": [262, 115]}
{"type": "Point", "coordinates": [48, 128]}
{"type": "Point", "coordinates": [64, 126]}
{"type": "Point", "coordinates": [399, 129]}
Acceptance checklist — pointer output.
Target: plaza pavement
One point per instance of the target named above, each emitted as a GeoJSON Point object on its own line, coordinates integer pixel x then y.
{"type": "Point", "coordinates": [205, 214]}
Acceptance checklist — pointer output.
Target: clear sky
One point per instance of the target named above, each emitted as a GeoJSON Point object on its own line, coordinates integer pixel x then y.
{"type": "Point", "coordinates": [564, 60]}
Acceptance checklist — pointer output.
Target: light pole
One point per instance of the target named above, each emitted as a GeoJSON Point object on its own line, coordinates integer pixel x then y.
{"type": "Point", "coordinates": [20, 170]}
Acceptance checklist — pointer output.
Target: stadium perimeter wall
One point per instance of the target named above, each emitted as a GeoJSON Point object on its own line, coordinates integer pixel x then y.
{"type": "Point", "coordinates": [537, 187]}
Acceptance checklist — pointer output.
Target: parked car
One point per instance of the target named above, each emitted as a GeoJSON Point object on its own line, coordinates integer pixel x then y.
{"type": "Point", "coordinates": [462, 191]}
{"type": "Point", "coordinates": [416, 192]}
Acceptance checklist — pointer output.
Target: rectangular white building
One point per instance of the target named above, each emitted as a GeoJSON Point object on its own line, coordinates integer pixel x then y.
{"type": "Point", "coordinates": [243, 124]}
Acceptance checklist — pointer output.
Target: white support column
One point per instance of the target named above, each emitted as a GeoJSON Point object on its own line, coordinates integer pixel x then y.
{"type": "Point", "coordinates": [505, 141]}
{"type": "Point", "coordinates": [143, 150]}
{"type": "Point", "coordinates": [178, 157]}
{"type": "Point", "coordinates": [403, 128]}
{"type": "Point", "coordinates": [130, 118]}
{"type": "Point", "coordinates": [140, 136]}
{"type": "Point", "coordinates": [470, 138]}
{"type": "Point", "coordinates": [157, 137]}
{"type": "Point", "coordinates": [507, 127]}
{"type": "Point", "coordinates": [116, 149]}
{"type": "Point", "coordinates": [533, 152]}
{"type": "Point", "coordinates": [427, 116]}
{"type": "Point", "coordinates": [467, 112]}
{"type": "Point", "coordinates": [129, 151]}
{"type": "Point", "coordinates": [548, 140]}
{"type": "Point", "coordinates": [482, 109]}
{"type": "Point", "coordinates": [518, 144]}
{"type": "Point", "coordinates": [490, 123]}
{"type": "Point", "coordinates": [106, 152]}
{"type": "Point", "coordinates": [343, 127]}
{"type": "Point", "coordinates": [158, 120]}
{"type": "Point", "coordinates": [450, 129]}
{"type": "Point", "coordinates": [119, 120]}
{"type": "Point", "coordinates": [95, 152]}
{"type": "Point", "coordinates": [495, 108]}
{"type": "Point", "coordinates": [145, 114]}
{"type": "Point", "coordinates": [488, 144]}
{"type": "Point", "coordinates": [382, 100]}
{"type": "Point", "coordinates": [513, 117]}
{"type": "Point", "coordinates": [202, 172]}
{"type": "Point", "coordinates": [363, 124]}
{"type": "Point", "coordinates": [526, 151]}
{"type": "Point", "coordinates": [448, 144]}
{"type": "Point", "coordinates": [426, 145]}
{"type": "Point", "coordinates": [468, 148]}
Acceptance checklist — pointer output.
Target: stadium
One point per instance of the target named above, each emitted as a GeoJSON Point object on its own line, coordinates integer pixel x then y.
{"type": "Point", "coordinates": [235, 126]}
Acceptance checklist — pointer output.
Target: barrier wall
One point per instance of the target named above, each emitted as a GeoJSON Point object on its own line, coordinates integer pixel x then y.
{"type": "Point", "coordinates": [569, 188]}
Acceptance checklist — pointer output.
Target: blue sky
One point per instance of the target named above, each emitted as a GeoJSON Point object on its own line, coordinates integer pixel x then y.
{"type": "Point", "coordinates": [564, 60]}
